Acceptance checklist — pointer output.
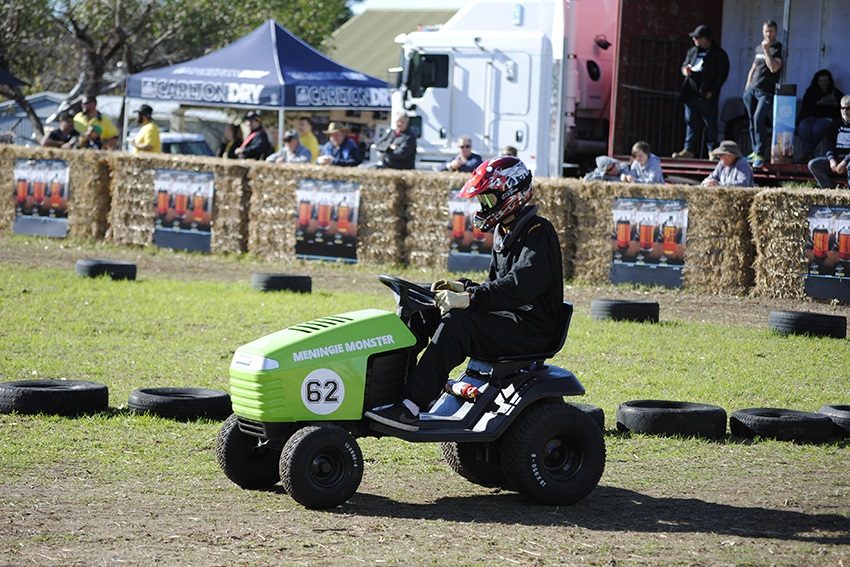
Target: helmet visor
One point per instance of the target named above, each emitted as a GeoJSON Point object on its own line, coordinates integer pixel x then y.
{"type": "Point", "coordinates": [487, 200]}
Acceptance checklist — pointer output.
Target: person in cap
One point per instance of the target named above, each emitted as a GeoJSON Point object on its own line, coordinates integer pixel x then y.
{"type": "Point", "coordinates": [147, 139]}
{"type": "Point", "coordinates": [89, 115]}
{"type": "Point", "coordinates": [607, 169]}
{"type": "Point", "coordinates": [705, 69]}
{"type": "Point", "coordinates": [65, 136]}
{"type": "Point", "coordinates": [339, 149]}
{"type": "Point", "coordinates": [645, 166]}
{"type": "Point", "coordinates": [256, 144]}
{"type": "Point", "coordinates": [292, 150]}
{"type": "Point", "coordinates": [760, 88]}
{"type": "Point", "coordinates": [398, 145]}
{"type": "Point", "coordinates": [733, 170]}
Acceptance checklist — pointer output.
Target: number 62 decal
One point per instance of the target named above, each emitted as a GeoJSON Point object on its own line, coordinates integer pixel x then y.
{"type": "Point", "coordinates": [322, 391]}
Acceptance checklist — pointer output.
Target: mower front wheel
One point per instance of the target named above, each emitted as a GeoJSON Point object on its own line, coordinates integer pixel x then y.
{"type": "Point", "coordinates": [246, 460]}
{"type": "Point", "coordinates": [321, 466]}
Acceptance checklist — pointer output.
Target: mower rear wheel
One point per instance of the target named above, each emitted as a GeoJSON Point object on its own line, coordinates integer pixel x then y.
{"type": "Point", "coordinates": [321, 466]}
{"type": "Point", "coordinates": [246, 460]}
{"type": "Point", "coordinates": [469, 460]}
{"type": "Point", "coordinates": [554, 453]}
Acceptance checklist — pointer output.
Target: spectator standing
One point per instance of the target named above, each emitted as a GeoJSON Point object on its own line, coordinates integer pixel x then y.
{"type": "Point", "coordinates": [819, 111]}
{"type": "Point", "coordinates": [838, 156]}
{"type": "Point", "coordinates": [231, 139]}
{"type": "Point", "coordinates": [89, 116]}
{"type": "Point", "coordinates": [760, 88]}
{"type": "Point", "coordinates": [65, 136]}
{"type": "Point", "coordinates": [705, 68]}
{"type": "Point", "coordinates": [607, 169]}
{"type": "Point", "coordinates": [733, 170]}
{"type": "Point", "coordinates": [147, 140]}
{"type": "Point", "coordinates": [292, 150]}
{"type": "Point", "coordinates": [398, 145]}
{"type": "Point", "coordinates": [256, 143]}
{"type": "Point", "coordinates": [645, 166]}
{"type": "Point", "coordinates": [340, 149]}
{"type": "Point", "coordinates": [466, 160]}
{"type": "Point", "coordinates": [306, 136]}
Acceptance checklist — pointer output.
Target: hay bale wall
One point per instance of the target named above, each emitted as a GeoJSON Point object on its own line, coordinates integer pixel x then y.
{"type": "Point", "coordinates": [556, 201]}
{"type": "Point", "coordinates": [88, 206]}
{"type": "Point", "coordinates": [428, 238]}
{"type": "Point", "coordinates": [779, 219]}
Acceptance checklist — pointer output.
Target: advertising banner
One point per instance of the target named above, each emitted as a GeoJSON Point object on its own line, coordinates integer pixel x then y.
{"type": "Point", "coordinates": [327, 215]}
{"type": "Point", "coordinates": [183, 206]}
{"type": "Point", "coordinates": [827, 252]}
{"type": "Point", "coordinates": [784, 123]}
{"type": "Point", "coordinates": [648, 240]}
{"type": "Point", "coordinates": [41, 197]}
{"type": "Point", "coordinates": [470, 248]}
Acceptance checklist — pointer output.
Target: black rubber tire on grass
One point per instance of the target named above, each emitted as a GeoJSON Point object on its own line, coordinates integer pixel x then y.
{"type": "Point", "coordinates": [624, 310]}
{"type": "Point", "coordinates": [840, 416]}
{"type": "Point", "coordinates": [281, 282]}
{"type": "Point", "coordinates": [808, 323]}
{"type": "Point", "coordinates": [469, 461]}
{"type": "Point", "coordinates": [181, 403]}
{"type": "Point", "coordinates": [596, 413]}
{"type": "Point", "coordinates": [54, 397]}
{"type": "Point", "coordinates": [246, 460]}
{"type": "Point", "coordinates": [554, 453]}
{"type": "Point", "coordinates": [321, 466]}
{"type": "Point", "coordinates": [664, 417]}
{"type": "Point", "coordinates": [781, 424]}
{"type": "Point", "coordinates": [115, 269]}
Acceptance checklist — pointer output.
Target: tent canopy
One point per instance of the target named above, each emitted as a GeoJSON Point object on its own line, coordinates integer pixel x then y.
{"type": "Point", "coordinates": [268, 68]}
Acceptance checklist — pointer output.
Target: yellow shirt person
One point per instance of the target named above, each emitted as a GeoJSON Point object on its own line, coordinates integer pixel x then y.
{"type": "Point", "coordinates": [147, 140]}
{"type": "Point", "coordinates": [308, 140]}
{"type": "Point", "coordinates": [89, 116]}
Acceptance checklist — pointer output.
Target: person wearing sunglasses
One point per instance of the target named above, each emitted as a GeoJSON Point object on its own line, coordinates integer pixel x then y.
{"type": "Point", "coordinates": [517, 310]}
{"type": "Point", "coordinates": [466, 160]}
{"type": "Point", "coordinates": [838, 155]}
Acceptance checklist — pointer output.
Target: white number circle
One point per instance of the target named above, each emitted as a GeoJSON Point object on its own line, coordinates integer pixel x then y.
{"type": "Point", "coordinates": [322, 391]}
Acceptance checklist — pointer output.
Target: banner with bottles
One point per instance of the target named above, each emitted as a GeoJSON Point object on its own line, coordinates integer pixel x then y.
{"type": "Point", "coordinates": [41, 197]}
{"type": "Point", "coordinates": [648, 239]}
{"type": "Point", "coordinates": [470, 248]}
{"type": "Point", "coordinates": [183, 206]}
{"type": "Point", "coordinates": [326, 226]}
{"type": "Point", "coordinates": [827, 252]}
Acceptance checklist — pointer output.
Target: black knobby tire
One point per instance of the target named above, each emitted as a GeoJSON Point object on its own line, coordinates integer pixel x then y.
{"type": "Point", "coordinates": [246, 460]}
{"type": "Point", "coordinates": [553, 453]}
{"type": "Point", "coordinates": [808, 323]}
{"type": "Point", "coordinates": [54, 397]}
{"type": "Point", "coordinates": [281, 282]}
{"type": "Point", "coordinates": [663, 417]}
{"type": "Point", "coordinates": [181, 403]}
{"type": "Point", "coordinates": [469, 460]}
{"type": "Point", "coordinates": [782, 424]}
{"type": "Point", "coordinates": [597, 414]}
{"type": "Point", "coordinates": [840, 416]}
{"type": "Point", "coordinates": [624, 310]}
{"type": "Point", "coordinates": [321, 466]}
{"type": "Point", "coordinates": [115, 269]}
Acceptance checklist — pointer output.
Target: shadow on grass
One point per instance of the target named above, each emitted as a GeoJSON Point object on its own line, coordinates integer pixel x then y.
{"type": "Point", "coordinates": [611, 509]}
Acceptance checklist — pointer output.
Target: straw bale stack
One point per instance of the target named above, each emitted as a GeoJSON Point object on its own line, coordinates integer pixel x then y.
{"type": "Point", "coordinates": [555, 200]}
{"type": "Point", "coordinates": [88, 205]}
{"type": "Point", "coordinates": [381, 217]}
{"type": "Point", "coordinates": [131, 219]}
{"type": "Point", "coordinates": [779, 219]}
{"type": "Point", "coordinates": [428, 239]}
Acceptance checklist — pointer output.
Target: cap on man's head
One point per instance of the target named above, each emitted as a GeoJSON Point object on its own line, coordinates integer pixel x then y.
{"type": "Point", "coordinates": [89, 99]}
{"type": "Point", "coordinates": [145, 110]}
{"type": "Point", "coordinates": [290, 134]}
{"type": "Point", "coordinates": [701, 30]}
{"type": "Point", "coordinates": [252, 115]}
{"type": "Point", "coordinates": [335, 127]}
{"type": "Point", "coordinates": [727, 147]}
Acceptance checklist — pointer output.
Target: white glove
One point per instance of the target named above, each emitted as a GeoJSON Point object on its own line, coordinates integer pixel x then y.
{"type": "Point", "coordinates": [446, 284]}
{"type": "Point", "coordinates": [448, 300]}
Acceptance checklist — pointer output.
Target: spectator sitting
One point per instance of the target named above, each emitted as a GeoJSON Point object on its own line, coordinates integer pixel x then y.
{"type": "Point", "coordinates": [508, 151]}
{"type": "Point", "coordinates": [733, 170]}
{"type": "Point", "coordinates": [340, 149]}
{"type": "Point", "coordinates": [607, 169]}
{"type": "Point", "coordinates": [645, 166]}
{"type": "Point", "coordinates": [147, 140]}
{"type": "Point", "coordinates": [91, 140]}
{"type": "Point", "coordinates": [838, 155]}
{"type": "Point", "coordinates": [89, 115]}
{"type": "Point", "coordinates": [466, 160]}
{"type": "Point", "coordinates": [819, 111]}
{"type": "Point", "coordinates": [63, 137]}
{"type": "Point", "coordinates": [231, 139]}
{"type": "Point", "coordinates": [307, 138]}
{"type": "Point", "coordinates": [292, 150]}
{"type": "Point", "coordinates": [398, 145]}
{"type": "Point", "coordinates": [256, 144]}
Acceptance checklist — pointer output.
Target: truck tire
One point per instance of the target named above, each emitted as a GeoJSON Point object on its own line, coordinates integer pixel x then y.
{"type": "Point", "coordinates": [321, 466]}
{"type": "Point", "coordinates": [281, 282]}
{"type": "Point", "coordinates": [115, 269]}
{"type": "Point", "coordinates": [662, 417]}
{"type": "Point", "coordinates": [781, 424]}
{"type": "Point", "coordinates": [808, 323]}
{"type": "Point", "coordinates": [554, 453]}
{"type": "Point", "coordinates": [467, 460]}
{"type": "Point", "coordinates": [595, 413]}
{"type": "Point", "coordinates": [624, 310]}
{"type": "Point", "coordinates": [181, 403]}
{"type": "Point", "coordinates": [840, 416]}
{"type": "Point", "coordinates": [246, 460]}
{"type": "Point", "coordinates": [53, 397]}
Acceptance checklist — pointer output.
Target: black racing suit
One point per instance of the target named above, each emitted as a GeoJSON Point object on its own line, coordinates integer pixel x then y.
{"type": "Point", "coordinates": [517, 310]}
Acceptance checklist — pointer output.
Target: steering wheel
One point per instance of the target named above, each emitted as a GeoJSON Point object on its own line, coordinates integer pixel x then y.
{"type": "Point", "coordinates": [405, 288]}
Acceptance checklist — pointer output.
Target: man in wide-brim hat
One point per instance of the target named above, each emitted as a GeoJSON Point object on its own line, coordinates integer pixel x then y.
{"type": "Point", "coordinates": [733, 170]}
{"type": "Point", "coordinates": [340, 149]}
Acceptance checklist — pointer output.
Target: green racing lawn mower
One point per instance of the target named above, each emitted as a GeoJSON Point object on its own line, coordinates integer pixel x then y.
{"type": "Point", "coordinates": [299, 397]}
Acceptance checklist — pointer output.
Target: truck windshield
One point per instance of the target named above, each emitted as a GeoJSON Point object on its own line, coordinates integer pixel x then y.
{"type": "Point", "coordinates": [427, 71]}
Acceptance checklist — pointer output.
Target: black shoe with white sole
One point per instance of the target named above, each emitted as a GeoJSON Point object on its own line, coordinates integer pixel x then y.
{"type": "Point", "coordinates": [395, 415]}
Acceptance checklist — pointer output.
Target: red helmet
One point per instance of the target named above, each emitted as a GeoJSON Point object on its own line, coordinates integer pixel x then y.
{"type": "Point", "coordinates": [503, 185]}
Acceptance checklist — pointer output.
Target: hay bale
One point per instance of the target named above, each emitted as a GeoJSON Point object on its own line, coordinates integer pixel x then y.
{"type": "Point", "coordinates": [556, 201]}
{"type": "Point", "coordinates": [428, 239]}
{"type": "Point", "coordinates": [779, 219]}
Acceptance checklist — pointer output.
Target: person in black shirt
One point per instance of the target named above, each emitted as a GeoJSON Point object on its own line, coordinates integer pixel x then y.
{"type": "Point", "coordinates": [63, 137]}
{"type": "Point", "coordinates": [256, 143]}
{"type": "Point", "coordinates": [398, 145]}
{"type": "Point", "coordinates": [761, 85]}
{"type": "Point", "coordinates": [819, 111]}
{"type": "Point", "coordinates": [838, 156]}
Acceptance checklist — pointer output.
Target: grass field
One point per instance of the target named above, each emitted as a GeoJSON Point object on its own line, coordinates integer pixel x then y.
{"type": "Point", "coordinates": [140, 490]}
